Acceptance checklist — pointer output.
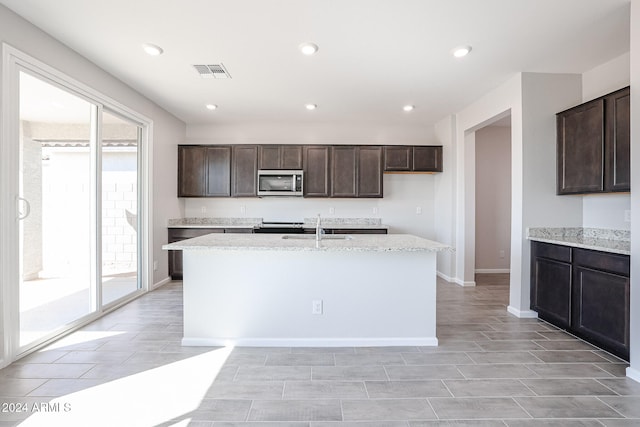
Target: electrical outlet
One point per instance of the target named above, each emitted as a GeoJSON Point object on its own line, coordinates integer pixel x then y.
{"type": "Point", "coordinates": [375, 211]}
{"type": "Point", "coordinates": [316, 306]}
{"type": "Point", "coordinates": [501, 254]}
{"type": "Point", "coordinates": [203, 209]}
{"type": "Point", "coordinates": [332, 210]}
{"type": "Point", "coordinates": [155, 265]}
{"type": "Point", "coordinates": [627, 215]}
{"type": "Point", "coordinates": [243, 210]}
{"type": "Point", "coordinates": [418, 210]}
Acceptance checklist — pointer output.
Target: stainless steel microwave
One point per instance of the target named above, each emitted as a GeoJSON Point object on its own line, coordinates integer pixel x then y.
{"type": "Point", "coordinates": [280, 183]}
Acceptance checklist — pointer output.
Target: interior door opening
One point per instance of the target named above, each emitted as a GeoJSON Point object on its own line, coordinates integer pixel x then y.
{"type": "Point", "coordinates": [493, 200]}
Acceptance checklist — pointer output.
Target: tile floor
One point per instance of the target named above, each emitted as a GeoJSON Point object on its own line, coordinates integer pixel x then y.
{"type": "Point", "coordinates": [491, 369]}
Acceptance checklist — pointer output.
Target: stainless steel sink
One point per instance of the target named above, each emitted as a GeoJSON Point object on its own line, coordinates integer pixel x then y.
{"type": "Point", "coordinates": [313, 237]}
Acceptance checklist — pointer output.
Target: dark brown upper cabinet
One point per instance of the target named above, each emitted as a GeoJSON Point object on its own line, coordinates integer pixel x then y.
{"type": "Point", "coordinates": [204, 171]}
{"type": "Point", "coordinates": [593, 146]}
{"type": "Point", "coordinates": [317, 161]}
{"type": "Point", "coordinates": [418, 158]}
{"type": "Point", "coordinates": [370, 171]}
{"type": "Point", "coordinates": [356, 171]}
{"type": "Point", "coordinates": [618, 141]}
{"type": "Point", "coordinates": [398, 158]}
{"type": "Point", "coordinates": [244, 170]}
{"type": "Point", "coordinates": [344, 171]}
{"type": "Point", "coordinates": [280, 157]}
{"type": "Point", "coordinates": [427, 158]}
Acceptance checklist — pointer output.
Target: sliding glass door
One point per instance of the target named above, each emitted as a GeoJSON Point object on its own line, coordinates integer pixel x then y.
{"type": "Point", "coordinates": [79, 244]}
{"type": "Point", "coordinates": [56, 193]}
{"type": "Point", "coordinates": [119, 181]}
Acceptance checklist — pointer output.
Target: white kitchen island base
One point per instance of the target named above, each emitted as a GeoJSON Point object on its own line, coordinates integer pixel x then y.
{"type": "Point", "coordinates": [259, 297]}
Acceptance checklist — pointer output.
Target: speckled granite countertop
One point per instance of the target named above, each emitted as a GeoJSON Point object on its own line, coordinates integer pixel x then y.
{"type": "Point", "coordinates": [276, 242]}
{"type": "Point", "coordinates": [334, 223]}
{"type": "Point", "coordinates": [351, 223]}
{"type": "Point", "coordinates": [214, 222]}
{"type": "Point", "coordinates": [614, 241]}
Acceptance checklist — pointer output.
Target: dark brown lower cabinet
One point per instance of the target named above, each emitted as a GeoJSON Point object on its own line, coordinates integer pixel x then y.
{"type": "Point", "coordinates": [178, 234]}
{"type": "Point", "coordinates": [601, 301]}
{"type": "Point", "coordinates": [583, 291]}
{"type": "Point", "coordinates": [552, 296]}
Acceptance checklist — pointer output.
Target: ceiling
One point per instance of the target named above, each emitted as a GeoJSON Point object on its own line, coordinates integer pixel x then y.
{"type": "Point", "coordinates": [375, 56]}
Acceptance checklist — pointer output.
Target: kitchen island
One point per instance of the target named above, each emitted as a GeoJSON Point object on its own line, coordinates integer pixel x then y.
{"type": "Point", "coordinates": [292, 290]}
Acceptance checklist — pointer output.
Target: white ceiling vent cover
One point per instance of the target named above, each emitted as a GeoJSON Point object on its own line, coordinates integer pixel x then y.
{"type": "Point", "coordinates": [215, 71]}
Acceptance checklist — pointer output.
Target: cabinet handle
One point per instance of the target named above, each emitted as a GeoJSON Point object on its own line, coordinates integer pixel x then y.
{"type": "Point", "coordinates": [27, 209]}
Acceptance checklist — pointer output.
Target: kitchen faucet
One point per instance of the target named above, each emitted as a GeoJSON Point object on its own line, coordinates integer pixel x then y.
{"type": "Point", "coordinates": [319, 230]}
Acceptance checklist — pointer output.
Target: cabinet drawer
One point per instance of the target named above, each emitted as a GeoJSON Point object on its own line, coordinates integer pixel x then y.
{"type": "Point", "coordinates": [596, 260]}
{"type": "Point", "coordinates": [359, 231]}
{"type": "Point", "coordinates": [551, 251]}
{"type": "Point", "coordinates": [188, 233]}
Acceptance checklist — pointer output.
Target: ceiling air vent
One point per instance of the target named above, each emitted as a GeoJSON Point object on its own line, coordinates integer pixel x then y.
{"type": "Point", "coordinates": [215, 71]}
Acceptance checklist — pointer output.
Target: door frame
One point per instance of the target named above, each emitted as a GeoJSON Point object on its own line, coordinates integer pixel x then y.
{"type": "Point", "coordinates": [14, 61]}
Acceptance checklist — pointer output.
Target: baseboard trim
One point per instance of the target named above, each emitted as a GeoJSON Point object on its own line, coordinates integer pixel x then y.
{"type": "Point", "coordinates": [492, 270]}
{"type": "Point", "coordinates": [445, 277]}
{"type": "Point", "coordinates": [634, 374]}
{"type": "Point", "coordinates": [160, 283]}
{"type": "Point", "coordinates": [311, 342]}
{"type": "Point", "coordinates": [522, 314]}
{"type": "Point", "coordinates": [463, 283]}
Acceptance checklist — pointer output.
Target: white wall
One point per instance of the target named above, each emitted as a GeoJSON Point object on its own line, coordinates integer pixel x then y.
{"type": "Point", "coordinates": [403, 193]}
{"type": "Point", "coordinates": [168, 130]}
{"type": "Point", "coordinates": [310, 133]}
{"type": "Point", "coordinates": [493, 199]}
{"type": "Point", "coordinates": [634, 370]}
{"type": "Point", "coordinates": [606, 210]}
{"type": "Point", "coordinates": [444, 193]}
{"type": "Point", "coordinates": [532, 100]}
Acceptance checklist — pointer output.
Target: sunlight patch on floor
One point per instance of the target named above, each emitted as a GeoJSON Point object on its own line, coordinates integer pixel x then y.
{"type": "Point", "coordinates": [150, 398]}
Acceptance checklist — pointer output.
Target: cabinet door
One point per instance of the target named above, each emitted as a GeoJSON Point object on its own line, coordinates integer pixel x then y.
{"type": "Point", "coordinates": [601, 309]}
{"type": "Point", "coordinates": [316, 171]}
{"type": "Point", "coordinates": [291, 157]}
{"type": "Point", "coordinates": [269, 157]}
{"type": "Point", "coordinates": [358, 231]}
{"type": "Point", "coordinates": [344, 171]}
{"type": "Point", "coordinates": [617, 142]}
{"type": "Point", "coordinates": [580, 156]}
{"type": "Point", "coordinates": [427, 158]}
{"type": "Point", "coordinates": [398, 158]}
{"type": "Point", "coordinates": [244, 170]}
{"type": "Point", "coordinates": [218, 176]}
{"type": "Point", "coordinates": [369, 171]}
{"type": "Point", "coordinates": [552, 291]}
{"type": "Point", "coordinates": [191, 171]}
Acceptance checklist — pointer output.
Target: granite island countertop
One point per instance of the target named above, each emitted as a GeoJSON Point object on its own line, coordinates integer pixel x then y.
{"type": "Point", "coordinates": [613, 241]}
{"type": "Point", "coordinates": [276, 242]}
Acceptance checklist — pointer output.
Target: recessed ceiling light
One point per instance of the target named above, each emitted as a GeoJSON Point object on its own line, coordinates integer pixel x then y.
{"type": "Point", "coordinates": [152, 49]}
{"type": "Point", "coordinates": [211, 106]}
{"type": "Point", "coordinates": [311, 106]}
{"type": "Point", "coordinates": [461, 51]}
{"type": "Point", "coordinates": [408, 107]}
{"type": "Point", "coordinates": [308, 48]}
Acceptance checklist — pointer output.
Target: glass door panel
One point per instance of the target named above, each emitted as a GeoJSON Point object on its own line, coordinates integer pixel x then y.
{"type": "Point", "coordinates": [120, 240]}
{"type": "Point", "coordinates": [56, 193]}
